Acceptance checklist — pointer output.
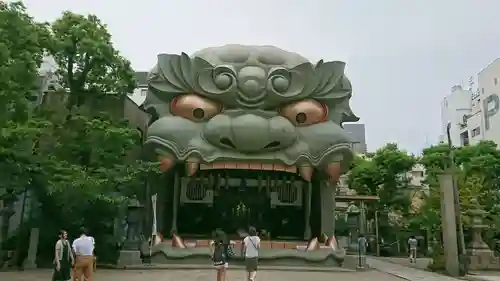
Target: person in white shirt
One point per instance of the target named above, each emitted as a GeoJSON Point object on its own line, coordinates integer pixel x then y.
{"type": "Point", "coordinates": [251, 246]}
{"type": "Point", "coordinates": [83, 247]}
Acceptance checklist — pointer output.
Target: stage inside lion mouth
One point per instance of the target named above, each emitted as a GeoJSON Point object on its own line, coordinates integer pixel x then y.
{"type": "Point", "coordinates": [272, 201]}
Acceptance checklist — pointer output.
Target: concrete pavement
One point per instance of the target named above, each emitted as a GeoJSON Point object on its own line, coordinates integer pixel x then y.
{"type": "Point", "coordinates": [484, 276]}
{"type": "Point", "coordinates": [405, 272]}
{"type": "Point", "coordinates": [421, 263]}
{"type": "Point", "coordinates": [206, 275]}
{"type": "Point", "coordinates": [384, 271]}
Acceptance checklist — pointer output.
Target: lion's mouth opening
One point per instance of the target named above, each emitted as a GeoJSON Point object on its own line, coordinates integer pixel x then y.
{"type": "Point", "coordinates": [248, 166]}
{"type": "Point", "coordinates": [249, 169]}
{"type": "Point", "coordinates": [193, 166]}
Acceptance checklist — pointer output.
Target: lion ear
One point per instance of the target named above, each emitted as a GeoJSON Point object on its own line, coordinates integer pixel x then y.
{"type": "Point", "coordinates": [173, 74]}
{"type": "Point", "coordinates": [328, 76]}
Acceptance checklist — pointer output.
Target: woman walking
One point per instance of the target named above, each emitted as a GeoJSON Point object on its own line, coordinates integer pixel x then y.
{"type": "Point", "coordinates": [251, 246]}
{"type": "Point", "coordinates": [63, 259]}
{"type": "Point", "coordinates": [219, 249]}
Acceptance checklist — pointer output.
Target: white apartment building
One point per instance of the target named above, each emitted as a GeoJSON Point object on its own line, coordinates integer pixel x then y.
{"type": "Point", "coordinates": [473, 113]}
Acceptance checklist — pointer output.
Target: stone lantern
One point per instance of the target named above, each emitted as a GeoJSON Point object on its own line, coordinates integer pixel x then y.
{"type": "Point", "coordinates": [352, 220]}
{"type": "Point", "coordinates": [480, 255]}
{"type": "Point", "coordinates": [477, 226]}
{"type": "Point", "coordinates": [134, 225]}
{"type": "Point", "coordinates": [130, 253]}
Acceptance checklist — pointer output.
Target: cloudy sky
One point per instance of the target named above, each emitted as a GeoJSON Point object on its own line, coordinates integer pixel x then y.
{"type": "Point", "coordinates": [403, 56]}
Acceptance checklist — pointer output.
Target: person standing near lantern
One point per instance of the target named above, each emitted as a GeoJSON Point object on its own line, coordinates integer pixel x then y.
{"type": "Point", "coordinates": [362, 245]}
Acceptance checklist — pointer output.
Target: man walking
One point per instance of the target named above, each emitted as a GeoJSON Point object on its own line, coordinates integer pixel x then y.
{"type": "Point", "coordinates": [412, 245]}
{"type": "Point", "coordinates": [251, 247]}
{"type": "Point", "coordinates": [83, 248]}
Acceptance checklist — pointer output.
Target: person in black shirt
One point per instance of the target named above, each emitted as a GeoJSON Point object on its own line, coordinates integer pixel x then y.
{"type": "Point", "coordinates": [219, 252]}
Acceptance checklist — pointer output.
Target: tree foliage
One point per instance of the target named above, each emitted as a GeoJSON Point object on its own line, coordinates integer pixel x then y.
{"type": "Point", "coordinates": [384, 174]}
{"type": "Point", "coordinates": [88, 63]}
{"type": "Point", "coordinates": [23, 42]}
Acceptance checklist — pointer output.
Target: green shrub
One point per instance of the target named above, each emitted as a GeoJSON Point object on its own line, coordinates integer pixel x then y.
{"type": "Point", "coordinates": [437, 263]}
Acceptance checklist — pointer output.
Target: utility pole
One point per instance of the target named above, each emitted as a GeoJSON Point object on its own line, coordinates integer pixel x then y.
{"type": "Point", "coordinates": [377, 235]}
{"type": "Point", "coordinates": [1, 224]}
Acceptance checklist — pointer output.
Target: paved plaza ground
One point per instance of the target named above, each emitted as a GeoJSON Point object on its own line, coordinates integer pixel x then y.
{"type": "Point", "coordinates": [206, 275]}
{"type": "Point", "coordinates": [382, 269]}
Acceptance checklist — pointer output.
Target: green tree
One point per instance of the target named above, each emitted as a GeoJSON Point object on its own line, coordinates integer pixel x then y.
{"type": "Point", "coordinates": [21, 52]}
{"type": "Point", "coordinates": [478, 172]}
{"type": "Point", "coordinates": [88, 62]}
{"type": "Point", "coordinates": [82, 162]}
{"type": "Point", "coordinates": [23, 42]}
{"type": "Point", "coordinates": [93, 159]}
{"type": "Point", "coordinates": [385, 175]}
{"type": "Point", "coordinates": [478, 165]}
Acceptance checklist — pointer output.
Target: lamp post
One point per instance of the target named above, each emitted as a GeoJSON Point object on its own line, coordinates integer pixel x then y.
{"type": "Point", "coordinates": [377, 235]}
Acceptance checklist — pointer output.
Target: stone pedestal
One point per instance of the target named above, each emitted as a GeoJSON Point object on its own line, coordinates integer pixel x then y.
{"type": "Point", "coordinates": [129, 258]}
{"type": "Point", "coordinates": [131, 245]}
{"type": "Point", "coordinates": [30, 261]}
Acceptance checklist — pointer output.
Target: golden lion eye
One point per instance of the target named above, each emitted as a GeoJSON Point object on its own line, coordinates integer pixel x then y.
{"type": "Point", "coordinates": [304, 113]}
{"type": "Point", "coordinates": [194, 107]}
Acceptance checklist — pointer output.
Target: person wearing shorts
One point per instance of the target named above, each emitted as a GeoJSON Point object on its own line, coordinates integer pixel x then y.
{"type": "Point", "coordinates": [412, 245]}
{"type": "Point", "coordinates": [219, 253]}
{"type": "Point", "coordinates": [251, 246]}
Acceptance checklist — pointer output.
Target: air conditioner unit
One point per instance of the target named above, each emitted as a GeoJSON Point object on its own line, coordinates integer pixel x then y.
{"type": "Point", "coordinates": [464, 121]}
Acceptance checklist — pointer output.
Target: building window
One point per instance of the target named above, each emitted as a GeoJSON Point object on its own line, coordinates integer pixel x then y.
{"type": "Point", "coordinates": [495, 80]}
{"type": "Point", "coordinates": [482, 90]}
{"type": "Point", "coordinates": [476, 132]}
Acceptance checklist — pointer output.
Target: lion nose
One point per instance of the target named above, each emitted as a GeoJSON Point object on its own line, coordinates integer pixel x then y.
{"type": "Point", "coordinates": [250, 133]}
